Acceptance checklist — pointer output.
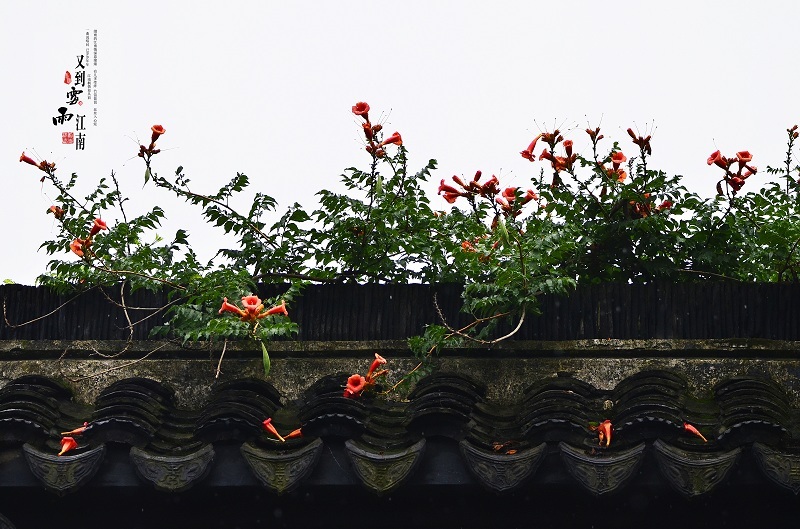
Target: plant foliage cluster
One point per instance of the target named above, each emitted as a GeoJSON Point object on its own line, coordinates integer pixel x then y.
{"type": "Point", "coordinates": [607, 216]}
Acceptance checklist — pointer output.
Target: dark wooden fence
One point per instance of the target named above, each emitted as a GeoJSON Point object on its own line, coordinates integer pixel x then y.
{"type": "Point", "coordinates": [382, 312]}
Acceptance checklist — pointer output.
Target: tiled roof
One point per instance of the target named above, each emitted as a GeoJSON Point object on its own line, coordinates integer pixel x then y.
{"type": "Point", "coordinates": [501, 447]}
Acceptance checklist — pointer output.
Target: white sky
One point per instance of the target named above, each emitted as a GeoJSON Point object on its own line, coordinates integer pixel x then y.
{"type": "Point", "coordinates": [265, 88]}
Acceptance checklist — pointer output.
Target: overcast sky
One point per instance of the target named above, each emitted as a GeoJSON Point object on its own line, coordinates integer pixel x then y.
{"type": "Point", "coordinates": [266, 88]}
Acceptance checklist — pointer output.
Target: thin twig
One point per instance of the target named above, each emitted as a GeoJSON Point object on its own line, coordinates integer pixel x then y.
{"type": "Point", "coordinates": [462, 333]}
{"type": "Point", "coordinates": [700, 272]}
{"type": "Point", "coordinates": [787, 264]}
{"type": "Point", "coordinates": [291, 275]}
{"type": "Point", "coordinates": [138, 274]}
{"type": "Point", "coordinates": [120, 201]}
{"type": "Point", "coordinates": [158, 310]}
{"type": "Point", "coordinates": [128, 344]}
{"type": "Point", "coordinates": [205, 198]}
{"type": "Point", "coordinates": [509, 335]}
{"type": "Point", "coordinates": [219, 364]}
{"type": "Point", "coordinates": [125, 310]}
{"type": "Point", "coordinates": [119, 367]}
{"type": "Point", "coordinates": [12, 326]}
{"type": "Point", "coordinates": [121, 305]}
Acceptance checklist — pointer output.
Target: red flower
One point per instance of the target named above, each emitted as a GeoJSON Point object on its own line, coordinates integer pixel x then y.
{"type": "Point", "coordinates": [504, 205]}
{"type": "Point", "coordinates": [529, 195]}
{"type": "Point", "coordinates": [227, 307]}
{"type": "Point", "coordinates": [56, 211]}
{"type": "Point", "coordinates": [692, 430]}
{"type": "Point", "coordinates": [447, 188]}
{"type": "Point", "coordinates": [67, 444]}
{"type": "Point", "coordinates": [27, 159]}
{"type": "Point", "coordinates": [158, 130]}
{"type": "Point", "coordinates": [667, 204]}
{"type": "Point", "coordinates": [449, 192]}
{"type": "Point", "coordinates": [510, 193]}
{"type": "Point", "coordinates": [735, 182]}
{"type": "Point", "coordinates": [355, 385]}
{"type": "Point", "coordinates": [252, 306]}
{"type": "Point", "coordinates": [294, 433]}
{"type": "Point", "coordinates": [617, 174]}
{"type": "Point", "coordinates": [743, 157]}
{"type": "Point", "coordinates": [528, 153]}
{"type": "Point", "coordinates": [568, 147]}
{"type": "Point", "coordinates": [559, 163]}
{"type": "Point", "coordinates": [617, 159]}
{"type": "Point", "coordinates": [271, 429]}
{"type": "Point", "coordinates": [718, 159]}
{"type": "Point", "coordinates": [278, 309]}
{"type": "Point", "coordinates": [368, 132]}
{"type": "Point", "coordinates": [361, 109]}
{"type": "Point", "coordinates": [379, 360]}
{"type": "Point", "coordinates": [97, 226]}
{"type": "Point", "coordinates": [77, 247]}
{"type": "Point", "coordinates": [77, 431]}
{"type": "Point", "coordinates": [394, 138]}
{"type": "Point", "coordinates": [451, 197]}
{"type": "Point", "coordinates": [603, 432]}
{"type": "Point", "coordinates": [639, 210]}
{"type": "Point", "coordinates": [490, 187]}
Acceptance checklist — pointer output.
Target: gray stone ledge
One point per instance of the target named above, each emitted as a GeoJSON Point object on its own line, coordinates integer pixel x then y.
{"type": "Point", "coordinates": [607, 347]}
{"type": "Point", "coordinates": [507, 369]}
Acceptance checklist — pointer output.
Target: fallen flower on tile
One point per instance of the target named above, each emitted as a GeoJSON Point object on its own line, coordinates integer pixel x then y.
{"type": "Point", "coordinates": [67, 444]}
{"type": "Point", "coordinates": [271, 429]}
{"type": "Point", "coordinates": [694, 431]}
{"type": "Point", "coordinates": [77, 431]}
{"type": "Point", "coordinates": [603, 430]}
{"type": "Point", "coordinates": [295, 434]}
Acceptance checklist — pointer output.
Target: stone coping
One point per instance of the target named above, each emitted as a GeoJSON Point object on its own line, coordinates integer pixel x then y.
{"type": "Point", "coordinates": [612, 347]}
{"type": "Point", "coordinates": [86, 367]}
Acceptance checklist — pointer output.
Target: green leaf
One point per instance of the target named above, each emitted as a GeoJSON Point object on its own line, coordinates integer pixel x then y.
{"type": "Point", "coordinates": [146, 175]}
{"type": "Point", "coordinates": [265, 356]}
{"type": "Point", "coordinates": [503, 231]}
